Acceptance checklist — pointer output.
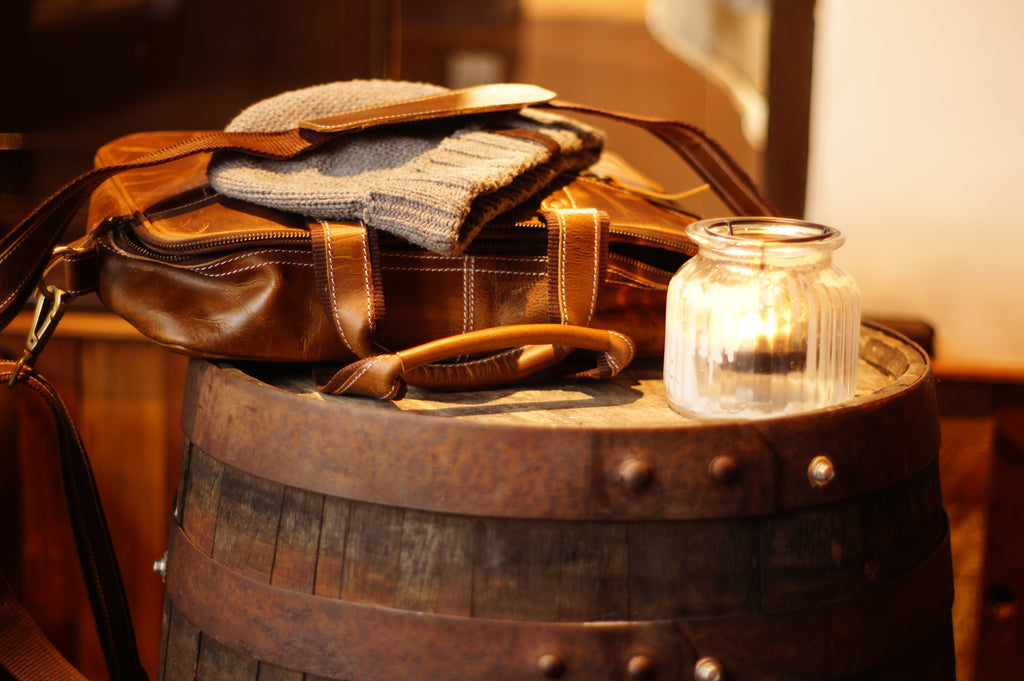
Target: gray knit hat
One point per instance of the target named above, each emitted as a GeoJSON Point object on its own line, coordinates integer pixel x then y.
{"type": "Point", "coordinates": [435, 186]}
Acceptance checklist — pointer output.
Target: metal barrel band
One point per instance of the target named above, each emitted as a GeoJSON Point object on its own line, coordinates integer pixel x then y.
{"type": "Point", "coordinates": [342, 639]}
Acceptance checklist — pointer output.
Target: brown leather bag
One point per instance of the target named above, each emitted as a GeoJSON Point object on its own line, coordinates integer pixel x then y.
{"type": "Point", "coordinates": [583, 264]}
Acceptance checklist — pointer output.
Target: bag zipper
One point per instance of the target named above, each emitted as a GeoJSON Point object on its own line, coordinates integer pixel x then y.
{"type": "Point", "coordinates": [504, 240]}
{"type": "Point", "coordinates": [129, 239]}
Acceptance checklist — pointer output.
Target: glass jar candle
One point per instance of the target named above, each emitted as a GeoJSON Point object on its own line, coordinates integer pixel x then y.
{"type": "Point", "coordinates": [760, 322]}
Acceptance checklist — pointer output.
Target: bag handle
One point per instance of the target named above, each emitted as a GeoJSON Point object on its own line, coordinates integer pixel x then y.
{"type": "Point", "coordinates": [386, 376]}
{"type": "Point", "coordinates": [24, 651]}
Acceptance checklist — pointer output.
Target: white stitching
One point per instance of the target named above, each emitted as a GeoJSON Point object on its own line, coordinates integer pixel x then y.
{"type": "Point", "coordinates": [367, 276]}
{"type": "Point", "coordinates": [206, 198]}
{"type": "Point", "coordinates": [562, 238]}
{"type": "Point", "coordinates": [333, 289]}
{"type": "Point", "coordinates": [374, 120]}
{"type": "Point", "coordinates": [15, 247]}
{"type": "Point", "coordinates": [366, 367]}
{"type": "Point", "coordinates": [468, 295]}
{"type": "Point", "coordinates": [416, 115]}
{"type": "Point", "coordinates": [14, 293]}
{"type": "Point", "coordinates": [201, 271]}
{"type": "Point", "coordinates": [562, 307]}
{"type": "Point", "coordinates": [241, 256]}
{"type": "Point", "coordinates": [254, 267]}
{"type": "Point", "coordinates": [431, 256]}
{"type": "Point", "coordinates": [611, 362]}
{"type": "Point", "coordinates": [465, 294]}
{"type": "Point", "coordinates": [629, 342]}
{"type": "Point", "coordinates": [483, 360]}
{"type": "Point", "coordinates": [202, 268]}
{"type": "Point", "coordinates": [597, 268]}
{"type": "Point", "coordinates": [461, 269]}
{"type": "Point", "coordinates": [424, 98]}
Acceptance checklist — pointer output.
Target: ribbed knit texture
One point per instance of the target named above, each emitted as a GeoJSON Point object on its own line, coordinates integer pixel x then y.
{"type": "Point", "coordinates": [434, 185]}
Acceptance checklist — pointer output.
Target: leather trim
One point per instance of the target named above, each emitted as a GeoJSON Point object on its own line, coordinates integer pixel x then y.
{"type": "Point", "coordinates": [577, 263]}
{"type": "Point", "coordinates": [475, 100]}
{"type": "Point", "coordinates": [348, 286]}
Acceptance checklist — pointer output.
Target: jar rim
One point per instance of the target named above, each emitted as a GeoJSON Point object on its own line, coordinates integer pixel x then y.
{"type": "Point", "coordinates": [761, 232]}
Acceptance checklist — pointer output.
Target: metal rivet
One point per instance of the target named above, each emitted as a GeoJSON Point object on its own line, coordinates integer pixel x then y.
{"type": "Point", "coordinates": [160, 567]}
{"type": "Point", "coordinates": [724, 468]}
{"type": "Point", "coordinates": [641, 668]}
{"type": "Point", "coordinates": [636, 475]}
{"type": "Point", "coordinates": [551, 666]}
{"type": "Point", "coordinates": [821, 471]}
{"type": "Point", "coordinates": [708, 669]}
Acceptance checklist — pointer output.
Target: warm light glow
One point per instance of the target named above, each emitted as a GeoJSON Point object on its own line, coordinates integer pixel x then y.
{"type": "Point", "coordinates": [762, 326]}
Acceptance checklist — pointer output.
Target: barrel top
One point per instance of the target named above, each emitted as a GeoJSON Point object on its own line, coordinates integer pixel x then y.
{"type": "Point", "coordinates": [569, 449]}
{"type": "Point", "coordinates": [635, 398]}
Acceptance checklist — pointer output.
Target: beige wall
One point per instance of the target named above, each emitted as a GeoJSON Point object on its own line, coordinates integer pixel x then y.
{"type": "Point", "coordinates": [916, 149]}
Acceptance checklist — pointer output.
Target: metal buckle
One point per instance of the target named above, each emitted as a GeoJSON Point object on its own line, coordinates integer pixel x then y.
{"type": "Point", "coordinates": [50, 306]}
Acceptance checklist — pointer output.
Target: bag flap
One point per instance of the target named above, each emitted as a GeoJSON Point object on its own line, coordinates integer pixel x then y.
{"type": "Point", "coordinates": [179, 211]}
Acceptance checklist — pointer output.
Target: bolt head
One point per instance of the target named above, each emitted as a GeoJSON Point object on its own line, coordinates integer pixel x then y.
{"type": "Point", "coordinates": [636, 475]}
{"type": "Point", "coordinates": [724, 468]}
{"type": "Point", "coordinates": [640, 668]}
{"type": "Point", "coordinates": [821, 471]}
{"type": "Point", "coordinates": [551, 666]}
{"type": "Point", "coordinates": [160, 567]}
{"type": "Point", "coordinates": [708, 669]}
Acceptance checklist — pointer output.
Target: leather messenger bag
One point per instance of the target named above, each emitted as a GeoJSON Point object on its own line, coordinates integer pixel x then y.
{"type": "Point", "coordinates": [565, 255]}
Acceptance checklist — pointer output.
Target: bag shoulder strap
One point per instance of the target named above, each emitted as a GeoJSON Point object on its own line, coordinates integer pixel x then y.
{"type": "Point", "coordinates": [24, 651]}
{"type": "Point", "coordinates": [726, 177]}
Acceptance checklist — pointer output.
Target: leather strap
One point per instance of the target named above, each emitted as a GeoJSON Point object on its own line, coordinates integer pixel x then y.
{"type": "Point", "coordinates": [24, 652]}
{"type": "Point", "coordinates": [476, 100]}
{"type": "Point", "coordinates": [348, 280]}
{"type": "Point", "coordinates": [577, 260]}
{"type": "Point", "coordinates": [715, 166]}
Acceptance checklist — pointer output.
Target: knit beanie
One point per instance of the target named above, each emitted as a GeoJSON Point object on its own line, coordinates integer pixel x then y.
{"type": "Point", "coordinates": [434, 185]}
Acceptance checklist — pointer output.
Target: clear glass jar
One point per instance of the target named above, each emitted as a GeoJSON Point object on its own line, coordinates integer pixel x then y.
{"type": "Point", "coordinates": [761, 322]}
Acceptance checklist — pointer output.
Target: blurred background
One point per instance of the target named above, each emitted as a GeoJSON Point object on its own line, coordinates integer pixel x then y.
{"type": "Point", "coordinates": [896, 122]}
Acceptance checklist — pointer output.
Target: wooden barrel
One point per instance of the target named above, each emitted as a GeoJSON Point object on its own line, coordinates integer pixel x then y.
{"type": "Point", "coordinates": [558, 530]}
